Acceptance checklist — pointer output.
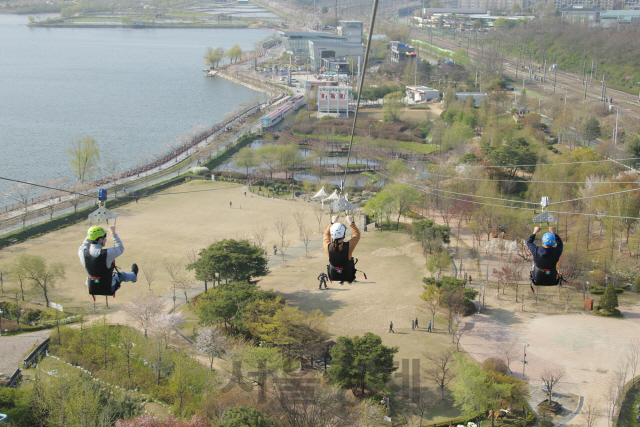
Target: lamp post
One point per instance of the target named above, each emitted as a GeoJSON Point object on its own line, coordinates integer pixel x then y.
{"type": "Point", "coordinates": [524, 361]}
{"type": "Point", "coordinates": [0, 323]}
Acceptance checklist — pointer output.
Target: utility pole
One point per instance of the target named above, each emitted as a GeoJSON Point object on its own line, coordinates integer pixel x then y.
{"type": "Point", "coordinates": [591, 79]}
{"type": "Point", "coordinates": [501, 64]}
{"type": "Point", "coordinates": [585, 88]}
{"type": "Point", "coordinates": [544, 71]}
{"type": "Point", "coordinates": [476, 86]}
{"type": "Point", "coordinates": [530, 63]}
{"type": "Point", "coordinates": [517, 66]}
{"type": "Point", "coordinates": [584, 71]}
{"type": "Point", "coordinates": [596, 70]}
{"type": "Point", "coordinates": [555, 74]}
{"type": "Point", "coordinates": [615, 135]}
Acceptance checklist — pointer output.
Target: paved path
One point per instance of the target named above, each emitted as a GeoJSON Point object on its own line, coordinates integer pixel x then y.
{"type": "Point", "coordinates": [587, 349]}
{"type": "Point", "coordinates": [14, 349]}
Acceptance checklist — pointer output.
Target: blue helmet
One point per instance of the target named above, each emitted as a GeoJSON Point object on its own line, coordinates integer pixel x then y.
{"type": "Point", "coordinates": [549, 239]}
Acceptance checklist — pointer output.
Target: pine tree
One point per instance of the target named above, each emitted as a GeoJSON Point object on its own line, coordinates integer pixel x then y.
{"type": "Point", "coordinates": [609, 300]}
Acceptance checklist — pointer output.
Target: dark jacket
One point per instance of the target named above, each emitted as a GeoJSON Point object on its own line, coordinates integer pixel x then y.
{"type": "Point", "coordinates": [544, 255]}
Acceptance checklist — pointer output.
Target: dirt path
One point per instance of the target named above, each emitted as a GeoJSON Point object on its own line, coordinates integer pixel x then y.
{"type": "Point", "coordinates": [14, 349]}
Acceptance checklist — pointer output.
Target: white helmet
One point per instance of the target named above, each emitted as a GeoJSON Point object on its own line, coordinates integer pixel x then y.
{"type": "Point", "coordinates": [337, 231]}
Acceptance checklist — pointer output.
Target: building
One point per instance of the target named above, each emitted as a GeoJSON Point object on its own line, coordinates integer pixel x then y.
{"type": "Point", "coordinates": [612, 18]}
{"type": "Point", "coordinates": [297, 43]}
{"type": "Point", "coordinates": [477, 96]}
{"type": "Point", "coordinates": [579, 13]}
{"type": "Point", "coordinates": [352, 30]}
{"type": "Point", "coordinates": [401, 51]}
{"type": "Point", "coordinates": [319, 49]}
{"type": "Point", "coordinates": [422, 93]}
{"type": "Point", "coordinates": [334, 101]}
{"type": "Point", "coordinates": [336, 65]}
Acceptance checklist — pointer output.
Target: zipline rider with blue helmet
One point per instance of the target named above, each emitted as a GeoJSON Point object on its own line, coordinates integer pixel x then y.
{"type": "Point", "coordinates": [101, 263]}
{"type": "Point", "coordinates": [545, 258]}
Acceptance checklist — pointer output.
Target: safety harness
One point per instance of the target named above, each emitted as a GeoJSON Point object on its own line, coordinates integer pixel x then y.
{"type": "Point", "coordinates": [341, 268]}
{"type": "Point", "coordinates": [544, 272]}
{"type": "Point", "coordinates": [100, 276]}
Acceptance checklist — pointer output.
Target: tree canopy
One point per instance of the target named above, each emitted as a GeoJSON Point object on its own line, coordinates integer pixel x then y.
{"type": "Point", "coordinates": [359, 361]}
{"type": "Point", "coordinates": [230, 260]}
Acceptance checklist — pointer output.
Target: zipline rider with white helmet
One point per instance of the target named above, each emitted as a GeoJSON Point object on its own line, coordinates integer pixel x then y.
{"type": "Point", "coordinates": [100, 263]}
{"type": "Point", "coordinates": [545, 258]}
{"type": "Point", "coordinates": [339, 252]}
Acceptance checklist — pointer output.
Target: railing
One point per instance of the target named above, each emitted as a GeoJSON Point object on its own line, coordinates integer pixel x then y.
{"type": "Point", "coordinates": [32, 358]}
{"type": "Point", "coordinates": [14, 378]}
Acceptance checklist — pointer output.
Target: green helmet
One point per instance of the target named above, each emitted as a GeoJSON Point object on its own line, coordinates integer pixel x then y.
{"type": "Point", "coordinates": [96, 232]}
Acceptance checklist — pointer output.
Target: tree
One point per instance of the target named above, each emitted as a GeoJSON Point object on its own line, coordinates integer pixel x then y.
{"type": "Point", "coordinates": [405, 198]}
{"type": "Point", "coordinates": [209, 342]}
{"type": "Point", "coordinates": [84, 155]}
{"type": "Point", "coordinates": [245, 416]}
{"type": "Point", "coordinates": [143, 308]}
{"type": "Point", "coordinates": [40, 276]}
{"type": "Point", "coordinates": [453, 301]}
{"type": "Point", "coordinates": [21, 194]}
{"type": "Point", "coordinates": [163, 325]}
{"type": "Point", "coordinates": [228, 301]}
{"type": "Point", "coordinates": [393, 105]}
{"type": "Point", "coordinates": [441, 370]}
{"type": "Point", "coordinates": [473, 392]}
{"type": "Point", "coordinates": [609, 300]}
{"type": "Point", "coordinates": [259, 365]}
{"type": "Point", "coordinates": [212, 57]}
{"type": "Point", "coordinates": [551, 377]}
{"type": "Point", "coordinates": [268, 154]}
{"type": "Point", "coordinates": [246, 158]}
{"type": "Point", "coordinates": [230, 260]}
{"type": "Point", "coordinates": [633, 149]}
{"type": "Point", "coordinates": [432, 297]}
{"type": "Point", "coordinates": [170, 421]}
{"type": "Point", "coordinates": [234, 53]}
{"type": "Point", "coordinates": [361, 361]}
{"type": "Point", "coordinates": [149, 270]}
{"type": "Point", "coordinates": [592, 130]}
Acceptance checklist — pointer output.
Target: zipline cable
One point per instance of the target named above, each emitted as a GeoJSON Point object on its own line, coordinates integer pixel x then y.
{"type": "Point", "coordinates": [360, 84]}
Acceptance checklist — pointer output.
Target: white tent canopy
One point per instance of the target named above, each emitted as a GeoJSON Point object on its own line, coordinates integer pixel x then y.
{"type": "Point", "coordinates": [321, 193]}
{"type": "Point", "coordinates": [333, 196]}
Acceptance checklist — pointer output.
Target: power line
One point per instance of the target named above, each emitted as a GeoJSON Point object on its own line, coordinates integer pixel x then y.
{"type": "Point", "coordinates": [92, 196]}
{"type": "Point", "coordinates": [592, 197]}
{"type": "Point", "coordinates": [525, 182]}
{"type": "Point", "coordinates": [545, 164]}
{"type": "Point", "coordinates": [514, 207]}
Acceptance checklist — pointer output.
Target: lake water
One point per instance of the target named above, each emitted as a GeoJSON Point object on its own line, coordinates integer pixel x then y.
{"type": "Point", "coordinates": [134, 90]}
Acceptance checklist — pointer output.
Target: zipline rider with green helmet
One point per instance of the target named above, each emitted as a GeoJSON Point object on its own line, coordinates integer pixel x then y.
{"type": "Point", "coordinates": [101, 263]}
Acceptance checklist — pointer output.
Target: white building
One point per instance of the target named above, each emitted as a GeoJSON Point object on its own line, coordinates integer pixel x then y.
{"type": "Point", "coordinates": [334, 101]}
{"type": "Point", "coordinates": [319, 49]}
{"type": "Point", "coordinates": [422, 93]}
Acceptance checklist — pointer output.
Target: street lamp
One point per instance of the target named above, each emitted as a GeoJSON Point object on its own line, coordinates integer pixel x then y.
{"type": "Point", "coordinates": [0, 323]}
{"type": "Point", "coordinates": [524, 361]}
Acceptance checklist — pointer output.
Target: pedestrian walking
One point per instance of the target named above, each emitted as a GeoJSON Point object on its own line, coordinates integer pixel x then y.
{"type": "Point", "coordinates": [413, 325]}
{"type": "Point", "coordinates": [245, 193]}
{"type": "Point", "coordinates": [391, 327]}
{"type": "Point", "coordinates": [416, 323]}
{"type": "Point", "coordinates": [230, 205]}
{"type": "Point", "coordinates": [323, 280]}
{"type": "Point", "coordinates": [275, 250]}
{"type": "Point", "coordinates": [429, 327]}
{"type": "Point", "coordinates": [469, 279]}
{"type": "Point", "coordinates": [136, 199]}
{"type": "Point", "coordinates": [465, 276]}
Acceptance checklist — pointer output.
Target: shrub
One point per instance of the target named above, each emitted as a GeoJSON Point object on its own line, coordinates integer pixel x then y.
{"type": "Point", "coordinates": [555, 150]}
{"type": "Point", "coordinates": [495, 364]}
{"type": "Point", "coordinates": [636, 285]}
{"type": "Point", "coordinates": [198, 170]}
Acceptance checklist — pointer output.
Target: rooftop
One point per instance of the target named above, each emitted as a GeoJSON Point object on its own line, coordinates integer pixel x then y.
{"type": "Point", "coordinates": [309, 34]}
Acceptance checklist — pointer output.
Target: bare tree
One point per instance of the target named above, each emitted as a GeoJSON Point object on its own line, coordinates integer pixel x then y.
{"type": "Point", "coordinates": [281, 226]}
{"type": "Point", "coordinates": [149, 270]}
{"type": "Point", "coordinates": [282, 248]}
{"type": "Point", "coordinates": [52, 195]}
{"type": "Point", "coordinates": [319, 216]}
{"type": "Point", "coordinates": [590, 412]}
{"type": "Point", "coordinates": [508, 351]}
{"type": "Point", "coordinates": [299, 217]}
{"type": "Point", "coordinates": [550, 377]}
{"type": "Point", "coordinates": [441, 370]}
{"type": "Point", "coordinates": [192, 255]}
{"type": "Point", "coordinates": [259, 236]}
{"type": "Point", "coordinates": [633, 357]}
{"type": "Point", "coordinates": [81, 189]}
{"type": "Point", "coordinates": [143, 308]}
{"type": "Point", "coordinates": [21, 193]}
{"type": "Point", "coordinates": [306, 235]}
{"type": "Point", "coordinates": [173, 268]}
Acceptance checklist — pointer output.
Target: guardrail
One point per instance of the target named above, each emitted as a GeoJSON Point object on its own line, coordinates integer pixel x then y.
{"type": "Point", "coordinates": [32, 358]}
{"type": "Point", "coordinates": [14, 378]}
